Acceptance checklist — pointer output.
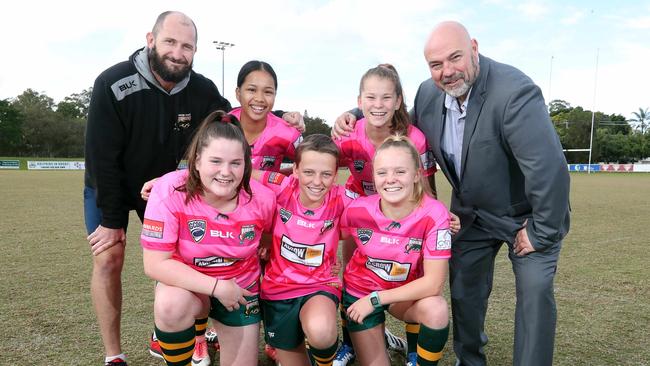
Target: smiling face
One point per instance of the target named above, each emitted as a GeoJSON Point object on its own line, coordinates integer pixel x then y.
{"type": "Point", "coordinates": [316, 174]}
{"type": "Point", "coordinates": [172, 49]}
{"type": "Point", "coordinates": [452, 58]}
{"type": "Point", "coordinates": [256, 96]}
{"type": "Point", "coordinates": [221, 167]}
{"type": "Point", "coordinates": [395, 175]}
{"type": "Point", "coordinates": [378, 100]}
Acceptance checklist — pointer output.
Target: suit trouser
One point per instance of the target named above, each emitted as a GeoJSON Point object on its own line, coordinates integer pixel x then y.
{"type": "Point", "coordinates": [471, 273]}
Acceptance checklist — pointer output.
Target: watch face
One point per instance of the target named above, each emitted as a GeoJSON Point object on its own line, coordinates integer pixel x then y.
{"type": "Point", "coordinates": [374, 301]}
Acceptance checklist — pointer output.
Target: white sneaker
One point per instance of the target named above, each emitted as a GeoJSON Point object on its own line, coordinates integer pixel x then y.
{"type": "Point", "coordinates": [344, 355]}
{"type": "Point", "coordinates": [395, 343]}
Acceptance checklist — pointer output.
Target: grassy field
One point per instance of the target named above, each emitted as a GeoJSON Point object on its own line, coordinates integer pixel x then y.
{"type": "Point", "coordinates": [602, 285]}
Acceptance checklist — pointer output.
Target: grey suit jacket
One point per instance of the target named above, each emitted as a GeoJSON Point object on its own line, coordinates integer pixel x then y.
{"type": "Point", "coordinates": [513, 167]}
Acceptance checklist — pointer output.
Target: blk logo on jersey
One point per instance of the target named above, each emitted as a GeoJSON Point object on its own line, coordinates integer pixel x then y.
{"type": "Point", "coordinates": [247, 233]}
{"type": "Point", "coordinates": [267, 163]}
{"type": "Point", "coordinates": [285, 215]}
{"type": "Point", "coordinates": [222, 234]}
{"type": "Point", "coordinates": [197, 229]}
{"type": "Point", "coordinates": [358, 165]}
{"type": "Point", "coordinates": [328, 224]}
{"type": "Point", "coordinates": [214, 261]}
{"type": "Point", "coordinates": [393, 225]}
{"type": "Point", "coordinates": [390, 271]}
{"type": "Point", "coordinates": [364, 235]}
{"type": "Point", "coordinates": [414, 245]}
{"type": "Point", "coordinates": [307, 255]}
{"type": "Point", "coordinates": [443, 241]}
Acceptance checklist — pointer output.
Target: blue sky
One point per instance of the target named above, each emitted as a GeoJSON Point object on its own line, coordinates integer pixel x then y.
{"type": "Point", "coordinates": [320, 49]}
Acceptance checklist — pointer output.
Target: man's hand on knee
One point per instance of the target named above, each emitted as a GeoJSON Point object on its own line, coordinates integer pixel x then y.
{"type": "Point", "coordinates": [103, 238]}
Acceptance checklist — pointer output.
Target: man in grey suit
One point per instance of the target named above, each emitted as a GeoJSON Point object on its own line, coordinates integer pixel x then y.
{"type": "Point", "coordinates": [491, 134]}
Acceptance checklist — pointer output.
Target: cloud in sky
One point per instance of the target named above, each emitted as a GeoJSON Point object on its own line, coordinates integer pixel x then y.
{"type": "Point", "coordinates": [320, 49]}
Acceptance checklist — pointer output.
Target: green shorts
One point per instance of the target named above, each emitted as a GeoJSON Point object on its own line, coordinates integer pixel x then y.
{"type": "Point", "coordinates": [245, 315]}
{"type": "Point", "coordinates": [372, 320]}
{"type": "Point", "coordinates": [282, 328]}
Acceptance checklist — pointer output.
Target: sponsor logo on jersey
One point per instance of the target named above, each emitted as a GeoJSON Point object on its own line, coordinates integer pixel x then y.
{"type": "Point", "coordinates": [393, 225]}
{"type": "Point", "coordinates": [309, 213]}
{"type": "Point", "coordinates": [197, 229]}
{"type": "Point", "coordinates": [128, 85]}
{"type": "Point", "coordinates": [368, 188]}
{"type": "Point", "coordinates": [443, 240]}
{"type": "Point", "coordinates": [390, 271]}
{"type": "Point", "coordinates": [252, 307]}
{"type": "Point", "coordinates": [307, 255]}
{"type": "Point", "coordinates": [427, 159]}
{"type": "Point", "coordinates": [222, 234]}
{"type": "Point", "coordinates": [358, 165]}
{"type": "Point", "coordinates": [247, 233]}
{"type": "Point", "coordinates": [297, 142]}
{"type": "Point", "coordinates": [267, 163]}
{"type": "Point", "coordinates": [388, 240]}
{"type": "Point", "coordinates": [153, 228]}
{"type": "Point", "coordinates": [414, 245]}
{"type": "Point", "coordinates": [285, 215]}
{"type": "Point", "coordinates": [364, 235]}
{"type": "Point", "coordinates": [307, 224]}
{"type": "Point", "coordinates": [275, 178]}
{"type": "Point", "coordinates": [327, 224]}
{"type": "Point", "coordinates": [184, 120]}
{"type": "Point", "coordinates": [350, 194]}
{"type": "Point", "coordinates": [214, 261]}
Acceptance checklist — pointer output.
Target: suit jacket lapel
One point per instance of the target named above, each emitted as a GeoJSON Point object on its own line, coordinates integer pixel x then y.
{"type": "Point", "coordinates": [436, 145]}
{"type": "Point", "coordinates": [474, 106]}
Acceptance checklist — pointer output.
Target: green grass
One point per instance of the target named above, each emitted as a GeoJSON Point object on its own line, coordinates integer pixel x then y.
{"type": "Point", "coordinates": [602, 285]}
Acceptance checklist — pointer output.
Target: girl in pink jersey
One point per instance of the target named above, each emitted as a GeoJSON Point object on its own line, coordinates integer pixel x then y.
{"type": "Point", "coordinates": [403, 244]}
{"type": "Point", "coordinates": [300, 294]}
{"type": "Point", "coordinates": [381, 100]}
{"type": "Point", "coordinates": [270, 138]}
{"type": "Point", "coordinates": [200, 239]}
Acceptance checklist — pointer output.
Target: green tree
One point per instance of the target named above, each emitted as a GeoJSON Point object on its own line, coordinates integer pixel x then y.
{"type": "Point", "coordinates": [557, 106]}
{"type": "Point", "coordinates": [315, 125]}
{"type": "Point", "coordinates": [642, 119]}
{"type": "Point", "coordinates": [11, 122]}
{"type": "Point", "coordinates": [75, 105]}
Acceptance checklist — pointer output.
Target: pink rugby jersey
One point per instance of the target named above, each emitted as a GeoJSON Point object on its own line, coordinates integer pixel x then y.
{"type": "Point", "coordinates": [221, 245]}
{"type": "Point", "coordinates": [390, 253]}
{"type": "Point", "coordinates": [277, 141]}
{"type": "Point", "coordinates": [305, 241]}
{"type": "Point", "coordinates": [357, 152]}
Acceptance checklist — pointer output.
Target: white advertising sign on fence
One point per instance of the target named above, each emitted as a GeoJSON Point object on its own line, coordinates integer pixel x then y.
{"type": "Point", "coordinates": [56, 165]}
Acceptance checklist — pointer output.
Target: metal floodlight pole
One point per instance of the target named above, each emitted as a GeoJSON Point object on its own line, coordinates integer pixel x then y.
{"type": "Point", "coordinates": [222, 46]}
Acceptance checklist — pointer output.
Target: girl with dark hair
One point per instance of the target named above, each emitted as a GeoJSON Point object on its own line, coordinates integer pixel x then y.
{"type": "Point", "coordinates": [200, 238]}
{"type": "Point", "coordinates": [270, 138]}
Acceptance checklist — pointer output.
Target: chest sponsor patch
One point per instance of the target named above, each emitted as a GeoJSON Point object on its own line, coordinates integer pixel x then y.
{"type": "Point", "coordinates": [184, 120]}
{"type": "Point", "coordinates": [285, 215]}
{"type": "Point", "coordinates": [358, 165]}
{"type": "Point", "coordinates": [368, 188]}
{"type": "Point", "coordinates": [414, 245]}
{"type": "Point", "coordinates": [275, 178]}
{"type": "Point", "coordinates": [307, 255]}
{"type": "Point", "coordinates": [247, 233]}
{"type": "Point", "coordinates": [153, 229]}
{"type": "Point", "coordinates": [443, 240]}
{"type": "Point", "coordinates": [214, 261]}
{"type": "Point", "coordinates": [327, 224]}
{"type": "Point", "coordinates": [268, 162]}
{"type": "Point", "coordinates": [389, 271]}
{"type": "Point", "coordinates": [364, 235]}
{"type": "Point", "coordinates": [197, 229]}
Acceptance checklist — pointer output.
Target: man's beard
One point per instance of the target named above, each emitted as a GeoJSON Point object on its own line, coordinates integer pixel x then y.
{"type": "Point", "coordinates": [466, 85]}
{"type": "Point", "coordinates": [168, 74]}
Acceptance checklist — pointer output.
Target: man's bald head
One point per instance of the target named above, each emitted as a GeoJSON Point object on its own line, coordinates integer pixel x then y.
{"type": "Point", "coordinates": [176, 17]}
{"type": "Point", "coordinates": [452, 56]}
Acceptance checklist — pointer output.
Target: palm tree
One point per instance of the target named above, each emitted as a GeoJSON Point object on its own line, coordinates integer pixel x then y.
{"type": "Point", "coordinates": [642, 118]}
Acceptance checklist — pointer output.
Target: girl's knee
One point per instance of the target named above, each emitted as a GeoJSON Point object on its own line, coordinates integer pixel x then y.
{"type": "Point", "coordinates": [321, 333]}
{"type": "Point", "coordinates": [433, 312]}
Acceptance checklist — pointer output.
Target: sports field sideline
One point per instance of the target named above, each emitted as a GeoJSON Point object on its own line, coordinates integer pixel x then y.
{"type": "Point", "coordinates": [602, 285]}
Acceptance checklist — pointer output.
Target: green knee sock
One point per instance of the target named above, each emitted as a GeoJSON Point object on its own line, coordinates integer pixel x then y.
{"type": "Point", "coordinates": [430, 345]}
{"type": "Point", "coordinates": [324, 357]}
{"type": "Point", "coordinates": [412, 330]}
{"type": "Point", "coordinates": [177, 347]}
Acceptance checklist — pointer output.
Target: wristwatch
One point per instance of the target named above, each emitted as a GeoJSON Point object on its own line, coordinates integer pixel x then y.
{"type": "Point", "coordinates": [374, 300]}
